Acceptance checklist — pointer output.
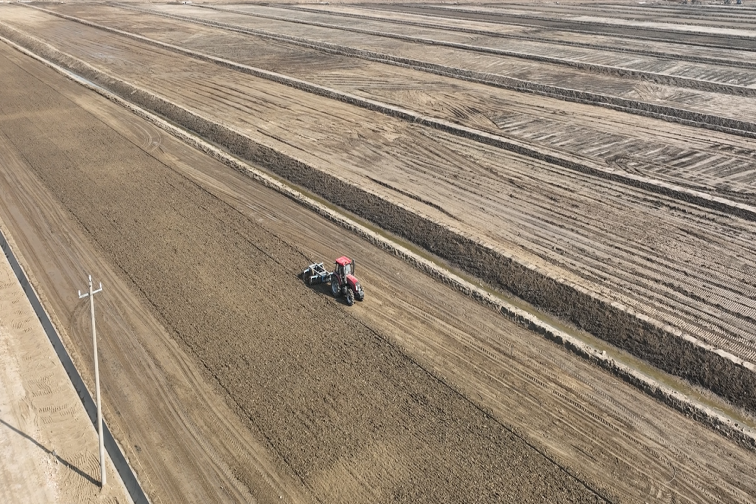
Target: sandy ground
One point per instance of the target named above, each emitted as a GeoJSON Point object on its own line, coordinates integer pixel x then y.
{"type": "Point", "coordinates": [236, 382]}
{"type": "Point", "coordinates": [48, 446]}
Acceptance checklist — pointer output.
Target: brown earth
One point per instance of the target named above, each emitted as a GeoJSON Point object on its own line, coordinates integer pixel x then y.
{"type": "Point", "coordinates": [726, 324]}
{"type": "Point", "coordinates": [416, 394]}
{"type": "Point", "coordinates": [333, 399]}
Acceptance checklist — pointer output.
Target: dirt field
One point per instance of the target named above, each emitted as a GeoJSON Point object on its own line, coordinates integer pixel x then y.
{"type": "Point", "coordinates": [655, 256]}
{"type": "Point", "coordinates": [236, 382]}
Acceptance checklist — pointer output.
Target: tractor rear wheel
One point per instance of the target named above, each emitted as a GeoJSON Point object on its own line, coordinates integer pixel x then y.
{"type": "Point", "coordinates": [335, 289]}
{"type": "Point", "coordinates": [350, 297]}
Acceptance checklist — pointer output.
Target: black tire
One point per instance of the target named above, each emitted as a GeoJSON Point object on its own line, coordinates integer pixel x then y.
{"type": "Point", "coordinates": [350, 297]}
{"type": "Point", "coordinates": [335, 289]}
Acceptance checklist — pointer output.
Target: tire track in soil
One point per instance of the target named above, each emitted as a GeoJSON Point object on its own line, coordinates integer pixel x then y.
{"type": "Point", "coordinates": [494, 129]}
{"type": "Point", "coordinates": [451, 27]}
{"type": "Point", "coordinates": [644, 156]}
{"type": "Point", "coordinates": [470, 133]}
{"type": "Point", "coordinates": [670, 113]}
{"type": "Point", "coordinates": [681, 15]}
{"type": "Point", "coordinates": [716, 25]}
{"type": "Point", "coordinates": [724, 41]}
{"type": "Point", "coordinates": [607, 450]}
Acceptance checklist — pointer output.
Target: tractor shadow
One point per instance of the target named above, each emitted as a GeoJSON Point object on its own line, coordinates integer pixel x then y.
{"type": "Point", "coordinates": [324, 289]}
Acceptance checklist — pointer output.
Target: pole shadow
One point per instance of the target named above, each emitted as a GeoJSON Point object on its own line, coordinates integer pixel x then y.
{"type": "Point", "coordinates": [50, 452]}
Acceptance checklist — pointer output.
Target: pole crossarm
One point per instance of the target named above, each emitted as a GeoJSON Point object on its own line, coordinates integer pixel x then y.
{"type": "Point", "coordinates": [82, 296]}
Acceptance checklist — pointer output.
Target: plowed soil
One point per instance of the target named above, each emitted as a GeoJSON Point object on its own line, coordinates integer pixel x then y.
{"type": "Point", "coordinates": [229, 380]}
{"type": "Point", "coordinates": [344, 409]}
{"type": "Point", "coordinates": [669, 258]}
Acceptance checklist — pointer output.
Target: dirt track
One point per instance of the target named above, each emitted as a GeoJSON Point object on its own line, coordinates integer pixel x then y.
{"type": "Point", "coordinates": [49, 445]}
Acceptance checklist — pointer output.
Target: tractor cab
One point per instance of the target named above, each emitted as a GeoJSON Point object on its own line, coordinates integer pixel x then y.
{"type": "Point", "coordinates": [344, 267]}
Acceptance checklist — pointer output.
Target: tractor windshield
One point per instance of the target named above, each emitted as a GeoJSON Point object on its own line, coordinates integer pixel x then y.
{"type": "Point", "coordinates": [347, 269]}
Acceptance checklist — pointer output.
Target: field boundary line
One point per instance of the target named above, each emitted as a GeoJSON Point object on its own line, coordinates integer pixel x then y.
{"type": "Point", "coordinates": [544, 154]}
{"type": "Point", "coordinates": [676, 400]}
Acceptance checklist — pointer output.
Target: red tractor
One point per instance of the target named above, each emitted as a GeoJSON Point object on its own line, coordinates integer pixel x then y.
{"type": "Point", "coordinates": [344, 282]}
{"type": "Point", "coordinates": [342, 279]}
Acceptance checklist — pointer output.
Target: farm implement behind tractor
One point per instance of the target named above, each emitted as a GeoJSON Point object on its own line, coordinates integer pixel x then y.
{"type": "Point", "coordinates": [342, 279]}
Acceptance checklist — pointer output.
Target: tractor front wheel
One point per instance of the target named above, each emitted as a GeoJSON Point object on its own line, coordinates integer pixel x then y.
{"type": "Point", "coordinates": [335, 289]}
{"type": "Point", "coordinates": [350, 297]}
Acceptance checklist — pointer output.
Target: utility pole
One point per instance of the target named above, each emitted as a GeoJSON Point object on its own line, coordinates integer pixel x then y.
{"type": "Point", "coordinates": [91, 294]}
